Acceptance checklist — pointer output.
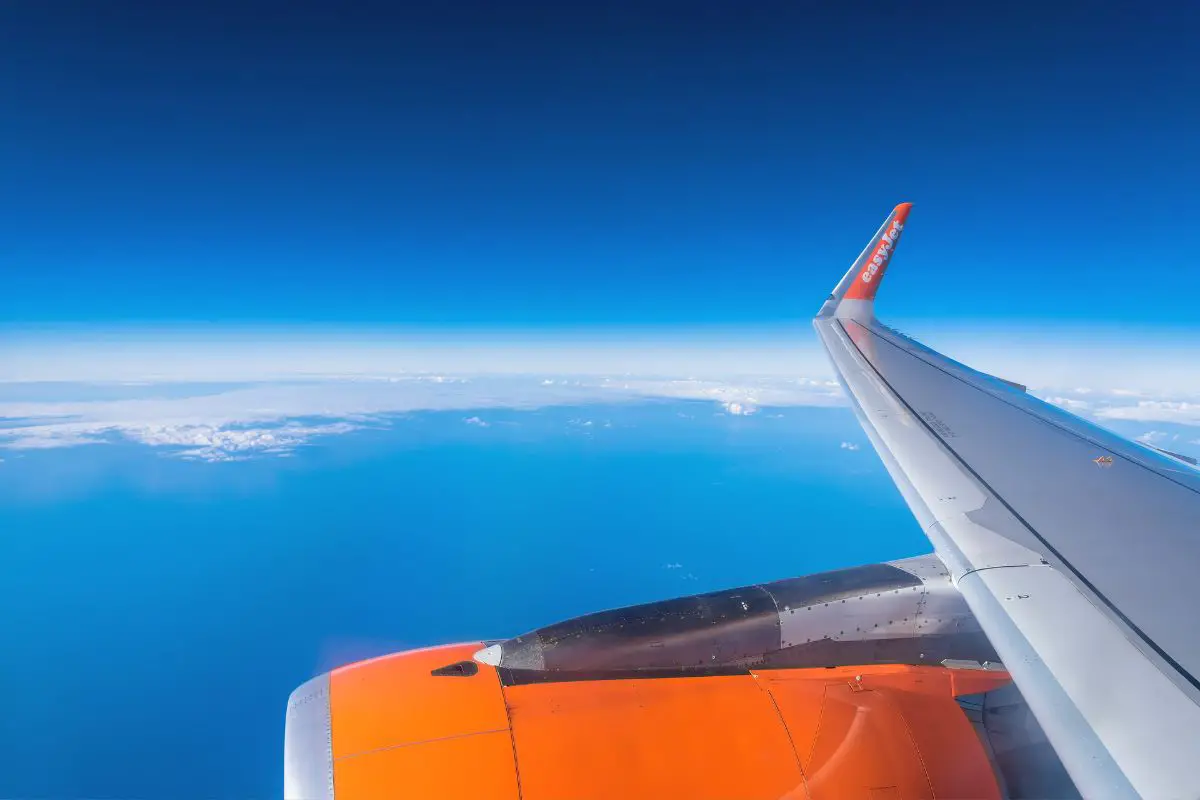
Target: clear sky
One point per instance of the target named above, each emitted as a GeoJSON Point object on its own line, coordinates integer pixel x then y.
{"type": "Point", "coordinates": [312, 314]}
{"type": "Point", "coordinates": [484, 165]}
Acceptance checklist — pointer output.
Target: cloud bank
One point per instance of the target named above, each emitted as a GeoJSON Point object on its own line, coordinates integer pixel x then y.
{"type": "Point", "coordinates": [230, 397]}
{"type": "Point", "coordinates": [231, 422]}
{"type": "Point", "coordinates": [235, 421]}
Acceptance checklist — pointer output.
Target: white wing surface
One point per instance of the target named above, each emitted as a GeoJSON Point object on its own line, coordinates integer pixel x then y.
{"type": "Point", "coordinates": [1075, 548]}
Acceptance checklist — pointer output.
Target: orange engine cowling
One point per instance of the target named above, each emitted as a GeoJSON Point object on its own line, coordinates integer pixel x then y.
{"type": "Point", "coordinates": [434, 723]}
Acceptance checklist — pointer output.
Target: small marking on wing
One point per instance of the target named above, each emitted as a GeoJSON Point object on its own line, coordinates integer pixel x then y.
{"type": "Point", "coordinates": [1103, 461]}
{"type": "Point", "coordinates": [938, 425]}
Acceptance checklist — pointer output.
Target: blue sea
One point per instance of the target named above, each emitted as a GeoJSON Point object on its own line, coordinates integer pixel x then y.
{"type": "Point", "coordinates": [158, 611]}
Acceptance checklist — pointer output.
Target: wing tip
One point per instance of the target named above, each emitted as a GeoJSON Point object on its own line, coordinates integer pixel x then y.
{"type": "Point", "coordinates": [861, 282]}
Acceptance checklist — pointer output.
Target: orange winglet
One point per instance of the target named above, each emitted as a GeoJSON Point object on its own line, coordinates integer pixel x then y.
{"type": "Point", "coordinates": [866, 283]}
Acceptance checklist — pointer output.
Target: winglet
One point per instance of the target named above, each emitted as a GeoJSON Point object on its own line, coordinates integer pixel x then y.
{"type": "Point", "coordinates": [854, 296]}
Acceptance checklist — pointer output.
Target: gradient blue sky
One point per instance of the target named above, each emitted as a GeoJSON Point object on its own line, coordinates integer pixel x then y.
{"type": "Point", "coordinates": [569, 165]}
{"type": "Point", "coordinates": [308, 216]}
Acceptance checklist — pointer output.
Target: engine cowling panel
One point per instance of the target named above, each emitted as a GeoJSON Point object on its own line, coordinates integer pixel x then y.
{"type": "Point", "coordinates": [397, 729]}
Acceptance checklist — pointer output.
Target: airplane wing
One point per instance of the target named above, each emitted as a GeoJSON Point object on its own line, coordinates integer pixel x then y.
{"type": "Point", "coordinates": [1074, 548]}
{"type": "Point", "coordinates": [1046, 649]}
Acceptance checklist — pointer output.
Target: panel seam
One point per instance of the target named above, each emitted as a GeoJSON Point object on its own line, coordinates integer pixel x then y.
{"type": "Point", "coordinates": [912, 739]}
{"type": "Point", "coordinates": [791, 742]}
{"type": "Point", "coordinates": [512, 735]}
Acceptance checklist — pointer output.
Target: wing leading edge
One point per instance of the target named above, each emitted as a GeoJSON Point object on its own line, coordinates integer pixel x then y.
{"type": "Point", "coordinates": [1073, 547]}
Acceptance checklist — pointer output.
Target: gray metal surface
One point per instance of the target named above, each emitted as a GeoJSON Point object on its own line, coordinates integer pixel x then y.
{"type": "Point", "coordinates": [1022, 757]}
{"type": "Point", "coordinates": [1078, 515]}
{"type": "Point", "coordinates": [930, 606]}
{"type": "Point", "coordinates": [902, 612]}
{"type": "Point", "coordinates": [1072, 546]}
{"type": "Point", "coordinates": [307, 743]}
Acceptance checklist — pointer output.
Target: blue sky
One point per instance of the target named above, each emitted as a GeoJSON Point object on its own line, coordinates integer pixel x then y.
{"type": "Point", "coordinates": [565, 165]}
{"type": "Point", "coordinates": [313, 315]}
{"type": "Point", "coordinates": [294, 192]}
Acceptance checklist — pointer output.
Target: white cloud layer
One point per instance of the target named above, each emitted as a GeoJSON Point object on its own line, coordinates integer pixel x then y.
{"type": "Point", "coordinates": [1180, 411]}
{"type": "Point", "coordinates": [1123, 404]}
{"type": "Point", "coordinates": [219, 423]}
{"type": "Point", "coordinates": [228, 422]}
{"type": "Point", "coordinates": [227, 397]}
{"type": "Point", "coordinates": [1153, 360]}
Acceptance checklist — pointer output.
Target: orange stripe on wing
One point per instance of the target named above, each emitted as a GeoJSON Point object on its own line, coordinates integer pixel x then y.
{"type": "Point", "coordinates": [866, 284]}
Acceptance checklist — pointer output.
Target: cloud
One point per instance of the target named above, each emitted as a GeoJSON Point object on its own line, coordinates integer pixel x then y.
{"type": "Point", "coordinates": [223, 421]}
{"type": "Point", "coordinates": [1069, 403]}
{"type": "Point", "coordinates": [1179, 411]}
{"type": "Point", "coordinates": [748, 394]}
{"type": "Point", "coordinates": [209, 444]}
{"type": "Point", "coordinates": [177, 353]}
{"type": "Point", "coordinates": [227, 421]}
{"type": "Point", "coordinates": [674, 565]}
{"type": "Point", "coordinates": [739, 409]}
{"type": "Point", "coordinates": [1103, 405]}
{"type": "Point", "coordinates": [200, 442]}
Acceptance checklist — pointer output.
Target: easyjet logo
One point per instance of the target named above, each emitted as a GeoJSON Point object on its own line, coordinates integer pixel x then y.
{"type": "Point", "coordinates": [883, 252]}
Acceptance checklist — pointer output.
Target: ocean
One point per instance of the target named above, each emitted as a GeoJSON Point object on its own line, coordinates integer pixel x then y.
{"type": "Point", "coordinates": [158, 611]}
